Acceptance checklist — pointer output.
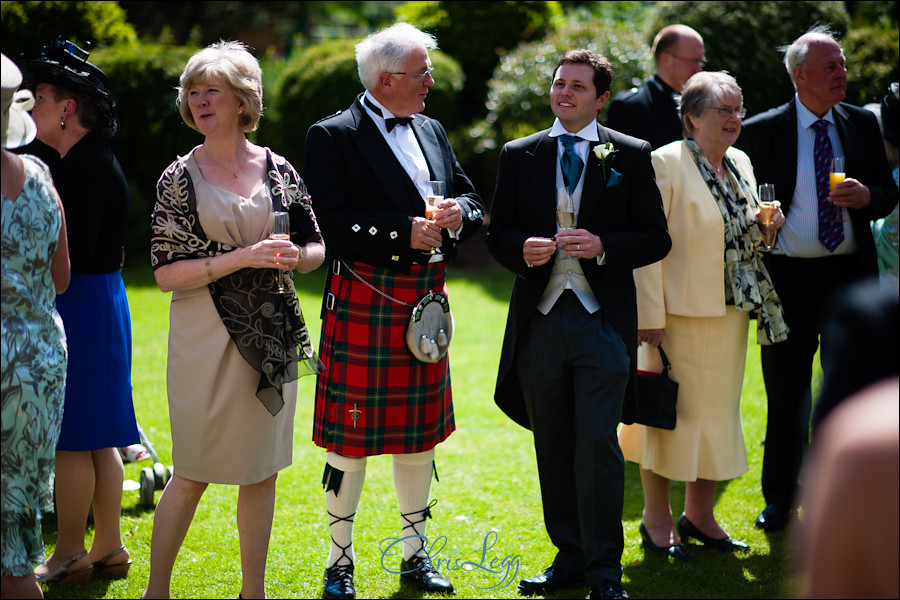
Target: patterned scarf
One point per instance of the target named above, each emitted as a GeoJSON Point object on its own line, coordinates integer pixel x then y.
{"type": "Point", "coordinates": [747, 282]}
{"type": "Point", "coordinates": [268, 328]}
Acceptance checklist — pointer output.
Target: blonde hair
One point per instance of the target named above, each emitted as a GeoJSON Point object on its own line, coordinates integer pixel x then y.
{"type": "Point", "coordinates": [233, 63]}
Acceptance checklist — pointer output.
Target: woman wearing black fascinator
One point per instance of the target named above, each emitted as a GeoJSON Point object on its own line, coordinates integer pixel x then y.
{"type": "Point", "coordinates": [75, 115]}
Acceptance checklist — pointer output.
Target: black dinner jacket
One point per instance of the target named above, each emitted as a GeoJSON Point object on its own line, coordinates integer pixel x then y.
{"type": "Point", "coordinates": [627, 217]}
{"type": "Point", "coordinates": [363, 198]}
{"type": "Point", "coordinates": [648, 113]}
{"type": "Point", "coordinates": [770, 140]}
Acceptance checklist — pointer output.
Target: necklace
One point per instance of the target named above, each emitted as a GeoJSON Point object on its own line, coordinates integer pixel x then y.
{"type": "Point", "coordinates": [234, 172]}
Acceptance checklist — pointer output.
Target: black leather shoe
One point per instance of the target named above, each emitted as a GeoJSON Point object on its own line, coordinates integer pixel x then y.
{"type": "Point", "coordinates": [419, 571]}
{"type": "Point", "coordinates": [773, 518]}
{"type": "Point", "coordinates": [338, 581]}
{"type": "Point", "coordinates": [686, 529]}
{"type": "Point", "coordinates": [551, 580]}
{"type": "Point", "coordinates": [677, 551]}
{"type": "Point", "coordinates": [608, 589]}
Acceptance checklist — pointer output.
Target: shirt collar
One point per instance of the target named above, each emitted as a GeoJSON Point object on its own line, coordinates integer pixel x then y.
{"type": "Point", "coordinates": [589, 132]}
{"type": "Point", "coordinates": [806, 118]}
{"type": "Point", "coordinates": [385, 113]}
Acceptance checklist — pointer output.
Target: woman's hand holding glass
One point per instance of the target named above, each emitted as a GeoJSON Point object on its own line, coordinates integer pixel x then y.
{"type": "Point", "coordinates": [275, 252]}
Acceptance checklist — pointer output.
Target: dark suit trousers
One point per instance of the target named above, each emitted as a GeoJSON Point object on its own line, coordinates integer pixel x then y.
{"type": "Point", "coordinates": [573, 368]}
{"type": "Point", "coordinates": [804, 286]}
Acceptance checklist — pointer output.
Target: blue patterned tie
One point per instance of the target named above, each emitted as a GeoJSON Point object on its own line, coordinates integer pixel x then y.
{"type": "Point", "coordinates": [570, 164]}
{"type": "Point", "coordinates": [831, 227]}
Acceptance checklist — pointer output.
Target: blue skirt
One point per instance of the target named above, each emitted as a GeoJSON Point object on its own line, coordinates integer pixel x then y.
{"type": "Point", "coordinates": [98, 411]}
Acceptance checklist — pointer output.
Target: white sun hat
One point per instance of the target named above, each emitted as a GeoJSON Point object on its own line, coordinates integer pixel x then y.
{"type": "Point", "coordinates": [18, 127]}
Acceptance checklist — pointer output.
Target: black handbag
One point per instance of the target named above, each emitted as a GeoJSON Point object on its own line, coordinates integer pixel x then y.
{"type": "Point", "coordinates": [656, 397]}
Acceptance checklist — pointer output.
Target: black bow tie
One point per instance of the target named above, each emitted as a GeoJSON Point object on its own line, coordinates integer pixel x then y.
{"type": "Point", "coordinates": [391, 122]}
{"type": "Point", "coordinates": [394, 121]}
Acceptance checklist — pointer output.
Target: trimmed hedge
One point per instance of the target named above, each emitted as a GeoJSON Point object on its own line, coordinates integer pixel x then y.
{"type": "Point", "coordinates": [143, 79]}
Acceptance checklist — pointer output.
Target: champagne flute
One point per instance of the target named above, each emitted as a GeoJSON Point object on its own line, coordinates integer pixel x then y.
{"type": "Point", "coordinates": [837, 174]}
{"type": "Point", "coordinates": [767, 208]}
{"type": "Point", "coordinates": [565, 212]}
{"type": "Point", "coordinates": [281, 232]}
{"type": "Point", "coordinates": [436, 192]}
{"type": "Point", "coordinates": [565, 209]}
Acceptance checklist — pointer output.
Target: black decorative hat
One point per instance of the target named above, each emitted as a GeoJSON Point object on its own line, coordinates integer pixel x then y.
{"type": "Point", "coordinates": [65, 65]}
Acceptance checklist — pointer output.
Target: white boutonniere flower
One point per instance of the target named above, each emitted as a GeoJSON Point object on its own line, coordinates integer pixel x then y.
{"type": "Point", "coordinates": [602, 153]}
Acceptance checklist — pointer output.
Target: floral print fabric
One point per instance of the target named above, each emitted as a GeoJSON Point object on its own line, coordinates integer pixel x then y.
{"type": "Point", "coordinates": [748, 285]}
{"type": "Point", "coordinates": [33, 367]}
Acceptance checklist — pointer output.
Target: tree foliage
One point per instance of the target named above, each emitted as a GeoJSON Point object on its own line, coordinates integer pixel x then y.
{"type": "Point", "coordinates": [477, 34]}
{"type": "Point", "coordinates": [519, 93]}
{"type": "Point", "coordinates": [873, 62]}
{"type": "Point", "coordinates": [743, 38]}
{"type": "Point", "coordinates": [28, 26]}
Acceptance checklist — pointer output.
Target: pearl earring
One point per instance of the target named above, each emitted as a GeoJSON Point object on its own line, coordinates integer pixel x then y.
{"type": "Point", "coordinates": [62, 122]}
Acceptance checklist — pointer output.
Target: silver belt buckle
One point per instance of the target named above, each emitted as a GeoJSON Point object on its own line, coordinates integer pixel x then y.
{"type": "Point", "coordinates": [329, 301]}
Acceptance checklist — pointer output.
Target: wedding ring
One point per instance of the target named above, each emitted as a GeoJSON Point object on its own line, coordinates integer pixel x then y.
{"type": "Point", "coordinates": [578, 247]}
{"type": "Point", "coordinates": [275, 258]}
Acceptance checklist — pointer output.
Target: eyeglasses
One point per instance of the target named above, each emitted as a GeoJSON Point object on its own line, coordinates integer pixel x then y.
{"type": "Point", "coordinates": [726, 111]}
{"type": "Point", "coordinates": [427, 72]}
{"type": "Point", "coordinates": [700, 62]}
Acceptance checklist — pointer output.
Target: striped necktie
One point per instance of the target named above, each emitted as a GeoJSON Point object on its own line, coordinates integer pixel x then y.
{"type": "Point", "coordinates": [831, 226]}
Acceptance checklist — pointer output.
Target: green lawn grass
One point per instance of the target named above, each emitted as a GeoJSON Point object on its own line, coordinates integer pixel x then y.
{"type": "Point", "coordinates": [489, 506]}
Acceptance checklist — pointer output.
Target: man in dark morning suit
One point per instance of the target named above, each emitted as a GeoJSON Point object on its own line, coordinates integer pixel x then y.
{"type": "Point", "coordinates": [368, 170]}
{"type": "Point", "coordinates": [650, 112]}
{"type": "Point", "coordinates": [825, 243]}
{"type": "Point", "coordinates": [567, 367]}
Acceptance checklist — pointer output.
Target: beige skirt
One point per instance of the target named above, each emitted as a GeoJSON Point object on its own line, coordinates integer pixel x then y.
{"type": "Point", "coordinates": [707, 357]}
{"type": "Point", "coordinates": [221, 433]}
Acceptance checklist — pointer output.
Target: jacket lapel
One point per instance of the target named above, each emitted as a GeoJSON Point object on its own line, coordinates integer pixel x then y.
{"type": "Point", "coordinates": [541, 162]}
{"type": "Point", "coordinates": [379, 156]}
{"type": "Point", "coordinates": [428, 142]}
{"type": "Point", "coordinates": [594, 180]}
{"type": "Point", "coordinates": [785, 149]}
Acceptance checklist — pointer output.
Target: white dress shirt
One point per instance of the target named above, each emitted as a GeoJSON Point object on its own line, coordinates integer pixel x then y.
{"type": "Point", "coordinates": [405, 146]}
{"type": "Point", "coordinates": [800, 235]}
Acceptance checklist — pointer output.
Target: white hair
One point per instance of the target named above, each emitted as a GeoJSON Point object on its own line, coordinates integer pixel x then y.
{"type": "Point", "coordinates": [386, 50]}
{"type": "Point", "coordinates": [796, 53]}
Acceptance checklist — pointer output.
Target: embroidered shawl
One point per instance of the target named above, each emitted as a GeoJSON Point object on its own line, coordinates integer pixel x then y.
{"type": "Point", "coordinates": [747, 282]}
{"type": "Point", "coordinates": [268, 328]}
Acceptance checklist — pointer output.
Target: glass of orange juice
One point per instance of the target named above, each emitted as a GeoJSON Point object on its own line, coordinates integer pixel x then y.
{"type": "Point", "coordinates": [837, 172]}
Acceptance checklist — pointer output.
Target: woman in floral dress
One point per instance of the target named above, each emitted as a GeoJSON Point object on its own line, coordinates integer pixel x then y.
{"type": "Point", "coordinates": [34, 269]}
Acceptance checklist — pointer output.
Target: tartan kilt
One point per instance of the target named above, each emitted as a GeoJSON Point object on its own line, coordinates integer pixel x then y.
{"type": "Point", "coordinates": [405, 406]}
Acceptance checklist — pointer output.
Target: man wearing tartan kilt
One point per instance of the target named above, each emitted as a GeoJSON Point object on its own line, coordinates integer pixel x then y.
{"type": "Point", "coordinates": [368, 170]}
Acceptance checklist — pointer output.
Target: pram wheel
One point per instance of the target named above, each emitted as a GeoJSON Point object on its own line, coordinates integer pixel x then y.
{"type": "Point", "coordinates": [148, 486]}
{"type": "Point", "coordinates": [159, 473]}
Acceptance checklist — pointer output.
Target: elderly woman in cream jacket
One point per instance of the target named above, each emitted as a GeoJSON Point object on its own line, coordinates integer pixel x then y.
{"type": "Point", "coordinates": [696, 303]}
